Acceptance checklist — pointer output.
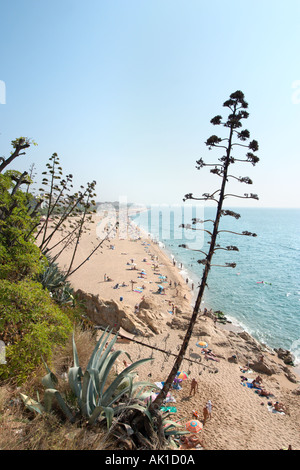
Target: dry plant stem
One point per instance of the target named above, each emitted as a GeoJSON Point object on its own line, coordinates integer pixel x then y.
{"type": "Point", "coordinates": [176, 367]}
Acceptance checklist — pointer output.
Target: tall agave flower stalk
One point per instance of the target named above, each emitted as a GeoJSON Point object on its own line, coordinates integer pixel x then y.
{"type": "Point", "coordinates": [236, 137]}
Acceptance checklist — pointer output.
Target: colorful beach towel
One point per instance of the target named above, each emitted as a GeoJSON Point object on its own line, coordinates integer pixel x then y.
{"type": "Point", "coordinates": [250, 385]}
{"type": "Point", "coordinates": [171, 409]}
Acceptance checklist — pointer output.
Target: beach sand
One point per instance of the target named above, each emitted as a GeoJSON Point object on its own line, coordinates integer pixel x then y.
{"type": "Point", "coordinates": [241, 419]}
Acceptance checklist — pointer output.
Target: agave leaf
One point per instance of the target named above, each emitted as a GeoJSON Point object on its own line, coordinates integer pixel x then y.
{"type": "Point", "coordinates": [46, 366]}
{"type": "Point", "coordinates": [143, 386]}
{"type": "Point", "coordinates": [125, 390]}
{"type": "Point", "coordinates": [175, 433]}
{"type": "Point", "coordinates": [32, 405]}
{"type": "Point", "coordinates": [74, 375]}
{"type": "Point", "coordinates": [50, 380]}
{"type": "Point", "coordinates": [84, 393]}
{"type": "Point", "coordinates": [49, 396]}
{"type": "Point", "coordinates": [111, 389]}
{"type": "Point", "coordinates": [93, 391]}
{"type": "Point", "coordinates": [105, 369]}
{"type": "Point", "coordinates": [88, 393]}
{"type": "Point", "coordinates": [100, 359]}
{"type": "Point", "coordinates": [109, 413]}
{"type": "Point", "coordinates": [130, 378]}
{"type": "Point", "coordinates": [75, 354]}
{"type": "Point", "coordinates": [141, 408]}
{"type": "Point", "coordinates": [92, 358]}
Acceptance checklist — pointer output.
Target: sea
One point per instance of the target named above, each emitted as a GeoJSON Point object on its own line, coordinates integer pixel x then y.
{"type": "Point", "coordinates": [261, 294]}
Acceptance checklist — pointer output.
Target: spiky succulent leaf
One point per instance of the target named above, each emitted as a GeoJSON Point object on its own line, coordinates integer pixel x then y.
{"type": "Point", "coordinates": [75, 375]}
{"type": "Point", "coordinates": [32, 405]}
{"type": "Point", "coordinates": [107, 411]}
{"type": "Point", "coordinates": [143, 409]}
{"type": "Point", "coordinates": [98, 349]}
{"type": "Point", "coordinates": [49, 396]}
{"type": "Point", "coordinates": [75, 354]}
{"type": "Point", "coordinates": [49, 380]}
{"type": "Point", "coordinates": [111, 389]}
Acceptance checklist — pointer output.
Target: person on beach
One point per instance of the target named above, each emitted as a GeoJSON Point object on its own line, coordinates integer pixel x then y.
{"type": "Point", "coordinates": [208, 354]}
{"type": "Point", "coordinates": [257, 382]}
{"type": "Point", "coordinates": [264, 393]}
{"type": "Point", "coordinates": [205, 415]}
{"type": "Point", "coordinates": [279, 407]}
{"type": "Point", "coordinates": [207, 410]}
{"type": "Point", "coordinates": [194, 387]}
{"type": "Point", "coordinates": [190, 442]}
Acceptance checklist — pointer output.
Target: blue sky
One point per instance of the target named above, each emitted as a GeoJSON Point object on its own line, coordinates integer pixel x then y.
{"type": "Point", "coordinates": [123, 91]}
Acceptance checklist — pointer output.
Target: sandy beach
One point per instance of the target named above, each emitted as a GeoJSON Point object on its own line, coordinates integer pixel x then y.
{"type": "Point", "coordinates": [129, 271]}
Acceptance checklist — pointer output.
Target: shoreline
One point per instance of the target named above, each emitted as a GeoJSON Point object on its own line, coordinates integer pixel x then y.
{"type": "Point", "coordinates": [154, 324]}
{"type": "Point", "coordinates": [232, 324]}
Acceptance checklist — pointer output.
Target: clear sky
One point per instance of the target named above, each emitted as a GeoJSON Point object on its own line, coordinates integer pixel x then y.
{"type": "Point", "coordinates": [124, 90]}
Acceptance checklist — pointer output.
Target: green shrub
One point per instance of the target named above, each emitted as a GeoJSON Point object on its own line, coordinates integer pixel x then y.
{"type": "Point", "coordinates": [19, 256]}
{"type": "Point", "coordinates": [18, 262]}
{"type": "Point", "coordinates": [31, 324]}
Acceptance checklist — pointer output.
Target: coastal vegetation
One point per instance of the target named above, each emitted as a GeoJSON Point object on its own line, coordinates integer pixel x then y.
{"type": "Point", "coordinates": [33, 288]}
{"type": "Point", "coordinates": [40, 313]}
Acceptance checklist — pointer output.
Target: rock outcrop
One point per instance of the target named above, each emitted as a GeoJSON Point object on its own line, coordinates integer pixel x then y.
{"type": "Point", "coordinates": [146, 321]}
{"type": "Point", "coordinates": [285, 355]}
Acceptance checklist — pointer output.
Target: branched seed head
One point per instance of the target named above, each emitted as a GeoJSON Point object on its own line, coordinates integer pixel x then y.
{"type": "Point", "coordinates": [231, 213]}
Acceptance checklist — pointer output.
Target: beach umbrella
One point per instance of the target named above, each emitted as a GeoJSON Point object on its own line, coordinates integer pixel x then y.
{"type": "Point", "coordinates": [194, 426]}
{"type": "Point", "coordinates": [161, 287]}
{"type": "Point", "coordinates": [201, 344]}
{"type": "Point", "coordinates": [182, 375]}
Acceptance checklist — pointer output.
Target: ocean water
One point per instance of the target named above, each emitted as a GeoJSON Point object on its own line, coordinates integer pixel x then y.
{"type": "Point", "coordinates": [262, 293]}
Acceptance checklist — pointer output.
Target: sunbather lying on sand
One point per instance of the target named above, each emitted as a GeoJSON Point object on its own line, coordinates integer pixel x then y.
{"type": "Point", "coordinates": [190, 442]}
{"type": "Point", "coordinates": [210, 355]}
{"type": "Point", "coordinates": [279, 407]}
{"type": "Point", "coordinates": [257, 382]}
{"type": "Point", "coordinates": [264, 393]}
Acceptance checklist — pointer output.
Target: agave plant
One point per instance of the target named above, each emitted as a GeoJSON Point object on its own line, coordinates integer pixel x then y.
{"type": "Point", "coordinates": [96, 399]}
{"type": "Point", "coordinates": [53, 279]}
